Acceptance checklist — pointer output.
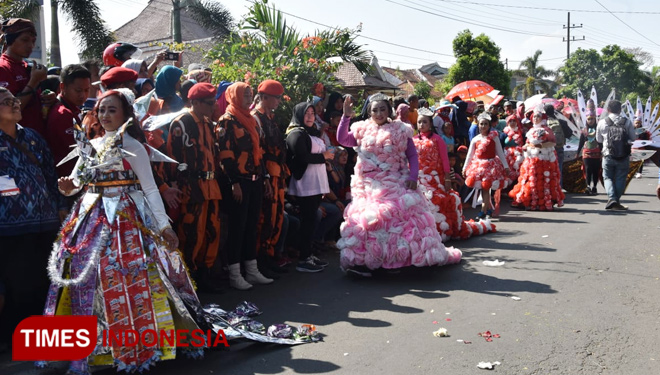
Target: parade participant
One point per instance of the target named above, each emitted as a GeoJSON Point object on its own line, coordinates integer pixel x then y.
{"type": "Point", "coordinates": [616, 133]}
{"type": "Point", "coordinates": [20, 78]}
{"type": "Point", "coordinates": [513, 145]}
{"type": "Point", "coordinates": [591, 152]}
{"type": "Point", "coordinates": [29, 205]}
{"type": "Point", "coordinates": [557, 128]}
{"type": "Point", "coordinates": [388, 223]}
{"type": "Point", "coordinates": [413, 102]}
{"type": "Point", "coordinates": [191, 142]}
{"type": "Point", "coordinates": [272, 210]}
{"type": "Point", "coordinates": [485, 167]}
{"type": "Point", "coordinates": [110, 258]}
{"type": "Point", "coordinates": [538, 185]}
{"type": "Point", "coordinates": [242, 160]}
{"type": "Point", "coordinates": [307, 155]}
{"type": "Point", "coordinates": [436, 178]}
{"type": "Point", "coordinates": [74, 90]}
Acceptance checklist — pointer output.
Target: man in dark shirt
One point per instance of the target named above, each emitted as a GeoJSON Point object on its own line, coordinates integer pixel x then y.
{"type": "Point", "coordinates": [74, 89]}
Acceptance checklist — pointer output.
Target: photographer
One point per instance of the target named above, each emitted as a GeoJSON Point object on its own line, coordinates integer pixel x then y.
{"type": "Point", "coordinates": [20, 78]}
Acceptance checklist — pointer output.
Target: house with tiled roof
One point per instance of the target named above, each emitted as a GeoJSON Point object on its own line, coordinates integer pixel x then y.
{"type": "Point", "coordinates": [353, 81]}
{"type": "Point", "coordinates": [153, 26]}
{"type": "Point", "coordinates": [406, 80]}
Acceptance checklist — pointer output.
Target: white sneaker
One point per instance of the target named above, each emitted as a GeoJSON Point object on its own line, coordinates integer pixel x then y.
{"type": "Point", "coordinates": [638, 175]}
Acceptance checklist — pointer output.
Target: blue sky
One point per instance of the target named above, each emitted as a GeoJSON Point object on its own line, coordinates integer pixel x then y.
{"type": "Point", "coordinates": [429, 26]}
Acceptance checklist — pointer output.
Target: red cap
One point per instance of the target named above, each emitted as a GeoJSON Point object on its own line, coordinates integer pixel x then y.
{"type": "Point", "coordinates": [201, 90]}
{"type": "Point", "coordinates": [118, 75]}
{"type": "Point", "coordinates": [462, 148]}
{"type": "Point", "coordinates": [271, 87]}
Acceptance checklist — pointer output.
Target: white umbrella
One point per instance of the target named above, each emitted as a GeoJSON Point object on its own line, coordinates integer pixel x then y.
{"type": "Point", "coordinates": [533, 101]}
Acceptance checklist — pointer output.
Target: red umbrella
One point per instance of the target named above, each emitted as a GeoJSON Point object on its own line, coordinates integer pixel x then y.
{"type": "Point", "coordinates": [469, 90]}
{"type": "Point", "coordinates": [567, 101]}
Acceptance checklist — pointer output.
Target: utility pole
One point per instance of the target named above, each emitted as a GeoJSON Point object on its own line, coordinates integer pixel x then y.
{"type": "Point", "coordinates": [506, 63]}
{"type": "Point", "coordinates": [568, 39]}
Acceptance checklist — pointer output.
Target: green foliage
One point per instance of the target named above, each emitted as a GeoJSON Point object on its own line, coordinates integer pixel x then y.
{"type": "Point", "coordinates": [477, 59]}
{"type": "Point", "coordinates": [212, 16]}
{"type": "Point", "coordinates": [266, 47]}
{"type": "Point", "coordinates": [535, 73]}
{"type": "Point", "coordinates": [423, 89]}
{"type": "Point", "coordinates": [613, 68]}
{"type": "Point", "coordinates": [19, 9]}
{"type": "Point", "coordinates": [91, 33]}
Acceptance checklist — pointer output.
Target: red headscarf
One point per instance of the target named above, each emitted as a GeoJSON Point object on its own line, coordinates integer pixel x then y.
{"type": "Point", "coordinates": [234, 95]}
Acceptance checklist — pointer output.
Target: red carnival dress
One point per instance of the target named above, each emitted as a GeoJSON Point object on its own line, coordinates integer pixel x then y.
{"type": "Point", "coordinates": [538, 185]}
{"type": "Point", "coordinates": [513, 149]}
{"type": "Point", "coordinates": [447, 209]}
{"type": "Point", "coordinates": [482, 168]}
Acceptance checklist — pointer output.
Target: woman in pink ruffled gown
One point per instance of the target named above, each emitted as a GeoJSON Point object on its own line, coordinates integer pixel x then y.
{"type": "Point", "coordinates": [388, 224]}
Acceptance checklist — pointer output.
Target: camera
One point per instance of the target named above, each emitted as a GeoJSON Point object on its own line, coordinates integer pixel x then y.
{"type": "Point", "coordinates": [174, 56]}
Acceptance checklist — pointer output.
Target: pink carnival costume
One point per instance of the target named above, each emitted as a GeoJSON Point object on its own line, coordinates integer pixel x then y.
{"type": "Point", "coordinates": [485, 163]}
{"type": "Point", "coordinates": [447, 208]}
{"type": "Point", "coordinates": [538, 185]}
{"type": "Point", "coordinates": [387, 225]}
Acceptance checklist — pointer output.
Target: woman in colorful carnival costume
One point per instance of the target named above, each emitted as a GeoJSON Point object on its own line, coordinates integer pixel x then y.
{"type": "Point", "coordinates": [436, 183]}
{"type": "Point", "coordinates": [513, 145]}
{"type": "Point", "coordinates": [538, 185]}
{"type": "Point", "coordinates": [388, 224]}
{"type": "Point", "coordinates": [111, 257]}
{"type": "Point", "coordinates": [485, 167]}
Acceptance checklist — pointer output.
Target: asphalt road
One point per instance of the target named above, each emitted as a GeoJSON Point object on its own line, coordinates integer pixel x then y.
{"type": "Point", "coordinates": [587, 279]}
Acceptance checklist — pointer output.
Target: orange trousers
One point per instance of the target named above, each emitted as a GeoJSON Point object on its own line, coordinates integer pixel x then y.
{"type": "Point", "coordinates": [198, 229]}
{"type": "Point", "coordinates": [272, 216]}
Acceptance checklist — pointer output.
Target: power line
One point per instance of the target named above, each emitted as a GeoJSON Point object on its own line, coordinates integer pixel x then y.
{"type": "Point", "coordinates": [630, 27]}
{"type": "Point", "coordinates": [493, 27]}
{"type": "Point", "coordinates": [540, 8]}
{"type": "Point", "coordinates": [359, 35]}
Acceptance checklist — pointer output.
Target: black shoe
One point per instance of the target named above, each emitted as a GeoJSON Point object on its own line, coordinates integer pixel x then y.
{"type": "Point", "coordinates": [308, 265]}
{"type": "Point", "coordinates": [319, 261]}
{"type": "Point", "coordinates": [267, 272]}
{"type": "Point", "coordinates": [594, 191]}
{"type": "Point", "coordinates": [588, 191]}
{"type": "Point", "coordinates": [610, 205]}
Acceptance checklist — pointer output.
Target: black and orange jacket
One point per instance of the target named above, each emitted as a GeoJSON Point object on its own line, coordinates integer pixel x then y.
{"type": "Point", "coordinates": [236, 152]}
{"type": "Point", "coordinates": [191, 142]}
{"type": "Point", "coordinates": [274, 146]}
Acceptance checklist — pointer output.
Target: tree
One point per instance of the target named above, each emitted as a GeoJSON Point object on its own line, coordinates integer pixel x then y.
{"type": "Point", "coordinates": [266, 47]}
{"type": "Point", "coordinates": [613, 68]}
{"type": "Point", "coordinates": [423, 89]}
{"type": "Point", "coordinates": [91, 33]}
{"type": "Point", "coordinates": [212, 16]}
{"type": "Point", "coordinates": [644, 58]}
{"type": "Point", "coordinates": [477, 59]}
{"type": "Point", "coordinates": [535, 73]}
{"type": "Point", "coordinates": [19, 9]}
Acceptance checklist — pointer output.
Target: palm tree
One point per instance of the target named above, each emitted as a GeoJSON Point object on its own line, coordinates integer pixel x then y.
{"type": "Point", "coordinates": [19, 9]}
{"type": "Point", "coordinates": [535, 73]}
{"type": "Point", "coordinates": [212, 16]}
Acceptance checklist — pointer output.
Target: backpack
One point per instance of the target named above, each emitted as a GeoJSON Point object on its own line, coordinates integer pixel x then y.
{"type": "Point", "coordinates": [617, 139]}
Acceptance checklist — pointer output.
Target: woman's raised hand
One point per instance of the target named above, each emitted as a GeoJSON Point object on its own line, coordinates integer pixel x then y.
{"type": "Point", "coordinates": [348, 106]}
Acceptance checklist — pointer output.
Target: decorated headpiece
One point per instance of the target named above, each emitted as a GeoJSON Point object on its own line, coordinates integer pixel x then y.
{"type": "Point", "coordinates": [379, 97]}
{"type": "Point", "coordinates": [638, 116]}
{"type": "Point", "coordinates": [424, 112]}
{"type": "Point", "coordinates": [539, 109]}
{"type": "Point", "coordinates": [484, 115]}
